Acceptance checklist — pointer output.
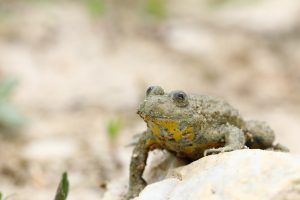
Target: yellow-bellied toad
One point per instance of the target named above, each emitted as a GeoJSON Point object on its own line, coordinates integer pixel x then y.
{"type": "Point", "coordinates": [192, 126]}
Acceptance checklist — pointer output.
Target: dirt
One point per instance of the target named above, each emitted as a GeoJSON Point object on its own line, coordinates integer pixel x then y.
{"type": "Point", "coordinates": [78, 72]}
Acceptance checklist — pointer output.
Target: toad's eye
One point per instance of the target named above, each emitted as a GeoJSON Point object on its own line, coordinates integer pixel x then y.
{"type": "Point", "coordinates": [154, 90]}
{"type": "Point", "coordinates": [149, 90]}
{"type": "Point", "coordinates": [180, 98]}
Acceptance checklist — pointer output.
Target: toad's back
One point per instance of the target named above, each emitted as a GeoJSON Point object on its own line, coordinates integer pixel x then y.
{"type": "Point", "coordinates": [215, 110]}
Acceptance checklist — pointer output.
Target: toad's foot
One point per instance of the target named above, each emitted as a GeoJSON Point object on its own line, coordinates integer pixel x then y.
{"type": "Point", "coordinates": [279, 147]}
{"type": "Point", "coordinates": [219, 150]}
{"type": "Point", "coordinates": [233, 136]}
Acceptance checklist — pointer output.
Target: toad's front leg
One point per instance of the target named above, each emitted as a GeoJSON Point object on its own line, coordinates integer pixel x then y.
{"type": "Point", "coordinates": [137, 166]}
{"type": "Point", "coordinates": [233, 136]}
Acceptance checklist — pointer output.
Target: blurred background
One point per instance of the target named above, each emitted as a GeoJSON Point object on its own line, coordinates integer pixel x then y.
{"type": "Point", "coordinates": [72, 74]}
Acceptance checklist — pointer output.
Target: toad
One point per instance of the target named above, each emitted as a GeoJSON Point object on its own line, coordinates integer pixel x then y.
{"type": "Point", "coordinates": [192, 126]}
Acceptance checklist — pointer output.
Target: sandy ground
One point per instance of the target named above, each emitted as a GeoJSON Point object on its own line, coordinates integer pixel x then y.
{"type": "Point", "coordinates": [78, 72]}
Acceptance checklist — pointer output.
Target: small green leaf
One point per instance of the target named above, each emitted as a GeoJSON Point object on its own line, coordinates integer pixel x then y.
{"type": "Point", "coordinates": [95, 7]}
{"type": "Point", "coordinates": [9, 116]}
{"type": "Point", "coordinates": [155, 8]}
{"type": "Point", "coordinates": [63, 188]}
{"type": "Point", "coordinates": [0, 195]}
{"type": "Point", "coordinates": [6, 86]}
{"type": "Point", "coordinates": [113, 128]}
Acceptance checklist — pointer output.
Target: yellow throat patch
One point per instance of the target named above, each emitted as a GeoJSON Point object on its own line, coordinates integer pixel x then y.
{"type": "Point", "coordinates": [171, 127]}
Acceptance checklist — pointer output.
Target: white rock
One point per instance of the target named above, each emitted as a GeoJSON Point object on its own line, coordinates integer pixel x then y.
{"type": "Point", "coordinates": [159, 164]}
{"type": "Point", "coordinates": [243, 174]}
{"type": "Point", "coordinates": [163, 188]}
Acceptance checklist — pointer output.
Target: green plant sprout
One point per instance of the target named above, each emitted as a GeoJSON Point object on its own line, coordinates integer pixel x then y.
{"type": "Point", "coordinates": [63, 188]}
{"type": "Point", "coordinates": [95, 7]}
{"type": "Point", "coordinates": [113, 128]}
{"type": "Point", "coordinates": [155, 8]}
{"type": "Point", "coordinates": [9, 116]}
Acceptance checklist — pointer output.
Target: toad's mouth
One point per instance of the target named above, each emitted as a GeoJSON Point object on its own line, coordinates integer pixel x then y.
{"type": "Point", "coordinates": [153, 117]}
{"type": "Point", "coordinates": [163, 121]}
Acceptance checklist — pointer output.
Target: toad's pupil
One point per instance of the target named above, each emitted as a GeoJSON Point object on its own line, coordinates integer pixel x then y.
{"type": "Point", "coordinates": [180, 96]}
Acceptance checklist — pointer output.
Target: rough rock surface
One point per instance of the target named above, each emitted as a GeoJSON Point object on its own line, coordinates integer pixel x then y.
{"type": "Point", "coordinates": [242, 174]}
